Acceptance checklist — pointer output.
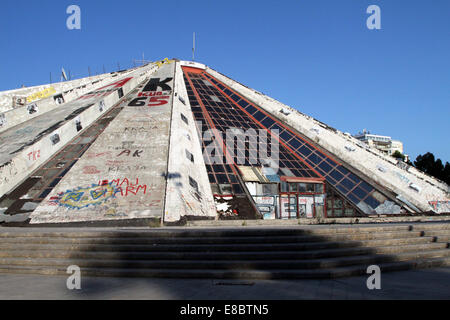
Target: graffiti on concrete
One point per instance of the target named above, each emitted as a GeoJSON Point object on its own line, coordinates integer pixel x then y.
{"type": "Point", "coordinates": [34, 155]}
{"type": "Point", "coordinates": [440, 206]}
{"type": "Point", "coordinates": [45, 93]}
{"type": "Point", "coordinates": [84, 197]}
{"type": "Point", "coordinates": [98, 194]}
{"type": "Point", "coordinates": [32, 108]}
{"type": "Point", "coordinates": [165, 61]}
{"type": "Point", "coordinates": [8, 170]}
{"type": "Point", "coordinates": [106, 90]}
{"type": "Point", "coordinates": [92, 155]}
{"type": "Point", "coordinates": [2, 120]}
{"type": "Point", "coordinates": [121, 168]}
{"type": "Point", "coordinates": [126, 187]}
{"type": "Point", "coordinates": [90, 170]}
{"type": "Point", "coordinates": [136, 154]}
{"type": "Point", "coordinates": [150, 96]}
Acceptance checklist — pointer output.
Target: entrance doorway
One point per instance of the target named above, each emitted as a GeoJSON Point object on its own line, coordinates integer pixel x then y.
{"type": "Point", "coordinates": [301, 198]}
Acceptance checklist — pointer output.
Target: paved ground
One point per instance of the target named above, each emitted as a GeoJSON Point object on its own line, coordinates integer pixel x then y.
{"type": "Point", "coordinates": [419, 284]}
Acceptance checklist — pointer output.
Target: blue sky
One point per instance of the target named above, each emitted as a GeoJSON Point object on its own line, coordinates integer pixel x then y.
{"type": "Point", "coordinates": [317, 56]}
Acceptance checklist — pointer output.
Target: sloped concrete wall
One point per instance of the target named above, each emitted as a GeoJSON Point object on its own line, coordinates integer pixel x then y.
{"type": "Point", "coordinates": [123, 174]}
{"type": "Point", "coordinates": [182, 198]}
{"type": "Point", "coordinates": [412, 186]}
{"type": "Point", "coordinates": [69, 90]}
{"type": "Point", "coordinates": [35, 136]}
{"type": "Point", "coordinates": [35, 93]}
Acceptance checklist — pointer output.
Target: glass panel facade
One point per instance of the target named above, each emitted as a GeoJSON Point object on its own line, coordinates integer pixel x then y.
{"type": "Point", "coordinates": [339, 177]}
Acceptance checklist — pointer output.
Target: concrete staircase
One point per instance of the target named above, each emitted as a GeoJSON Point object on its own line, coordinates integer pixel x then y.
{"type": "Point", "coordinates": [226, 253]}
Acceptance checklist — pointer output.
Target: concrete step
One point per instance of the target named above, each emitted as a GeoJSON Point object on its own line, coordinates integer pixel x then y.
{"type": "Point", "coordinates": [224, 264]}
{"type": "Point", "coordinates": [133, 255]}
{"type": "Point", "coordinates": [444, 233]}
{"type": "Point", "coordinates": [202, 232]}
{"type": "Point", "coordinates": [212, 240]}
{"type": "Point", "coordinates": [432, 226]}
{"type": "Point", "coordinates": [231, 274]}
{"type": "Point", "coordinates": [225, 253]}
{"type": "Point", "coordinates": [211, 255]}
{"type": "Point", "coordinates": [442, 239]}
{"type": "Point", "coordinates": [164, 238]}
{"type": "Point", "coordinates": [266, 247]}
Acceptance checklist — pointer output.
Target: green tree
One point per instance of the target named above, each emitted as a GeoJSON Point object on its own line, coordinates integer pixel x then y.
{"type": "Point", "coordinates": [398, 155]}
{"type": "Point", "coordinates": [428, 164]}
{"type": "Point", "coordinates": [447, 173]}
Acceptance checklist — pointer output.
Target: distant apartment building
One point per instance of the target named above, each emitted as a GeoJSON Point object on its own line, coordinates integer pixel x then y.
{"type": "Point", "coordinates": [384, 144]}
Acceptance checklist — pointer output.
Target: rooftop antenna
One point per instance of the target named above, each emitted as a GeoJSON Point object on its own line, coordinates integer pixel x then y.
{"type": "Point", "coordinates": [143, 61]}
{"type": "Point", "coordinates": [193, 48]}
{"type": "Point", "coordinates": [63, 74]}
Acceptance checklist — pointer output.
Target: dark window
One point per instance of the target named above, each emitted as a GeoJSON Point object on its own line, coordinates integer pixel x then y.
{"type": "Point", "coordinates": [293, 187]}
{"type": "Point", "coordinates": [237, 189]}
{"type": "Point", "coordinates": [285, 136]}
{"type": "Point", "coordinates": [342, 189]}
{"type": "Point", "coordinates": [325, 166]}
{"type": "Point", "coordinates": [45, 193]}
{"type": "Point", "coordinates": [318, 188]}
{"type": "Point", "coordinates": [235, 97]}
{"type": "Point", "coordinates": [295, 144]}
{"type": "Point", "coordinates": [364, 185]}
{"type": "Point", "coordinates": [267, 122]}
{"type": "Point", "coordinates": [305, 151]}
{"type": "Point", "coordinates": [348, 184]}
{"type": "Point", "coordinates": [183, 117]}
{"type": "Point", "coordinates": [371, 201]}
{"type": "Point", "coordinates": [353, 199]}
{"type": "Point", "coordinates": [243, 103]}
{"type": "Point", "coordinates": [250, 109]}
{"type": "Point", "coordinates": [222, 178]}
{"type": "Point", "coordinates": [359, 193]}
{"type": "Point", "coordinates": [259, 116]}
{"type": "Point", "coordinates": [193, 183]}
{"type": "Point", "coordinates": [190, 156]}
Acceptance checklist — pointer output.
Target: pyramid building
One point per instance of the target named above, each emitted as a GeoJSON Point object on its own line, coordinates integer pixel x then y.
{"type": "Point", "coordinates": [176, 140]}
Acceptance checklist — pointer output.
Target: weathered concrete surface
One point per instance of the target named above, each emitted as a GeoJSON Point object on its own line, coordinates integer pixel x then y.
{"type": "Point", "coordinates": [43, 99]}
{"type": "Point", "coordinates": [323, 221]}
{"type": "Point", "coordinates": [27, 146]}
{"type": "Point", "coordinates": [186, 162]}
{"type": "Point", "coordinates": [416, 284]}
{"type": "Point", "coordinates": [123, 174]}
{"type": "Point", "coordinates": [382, 169]}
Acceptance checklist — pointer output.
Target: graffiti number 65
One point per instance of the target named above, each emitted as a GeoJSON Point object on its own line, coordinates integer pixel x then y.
{"type": "Point", "coordinates": [154, 101]}
{"type": "Point", "coordinates": [158, 101]}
